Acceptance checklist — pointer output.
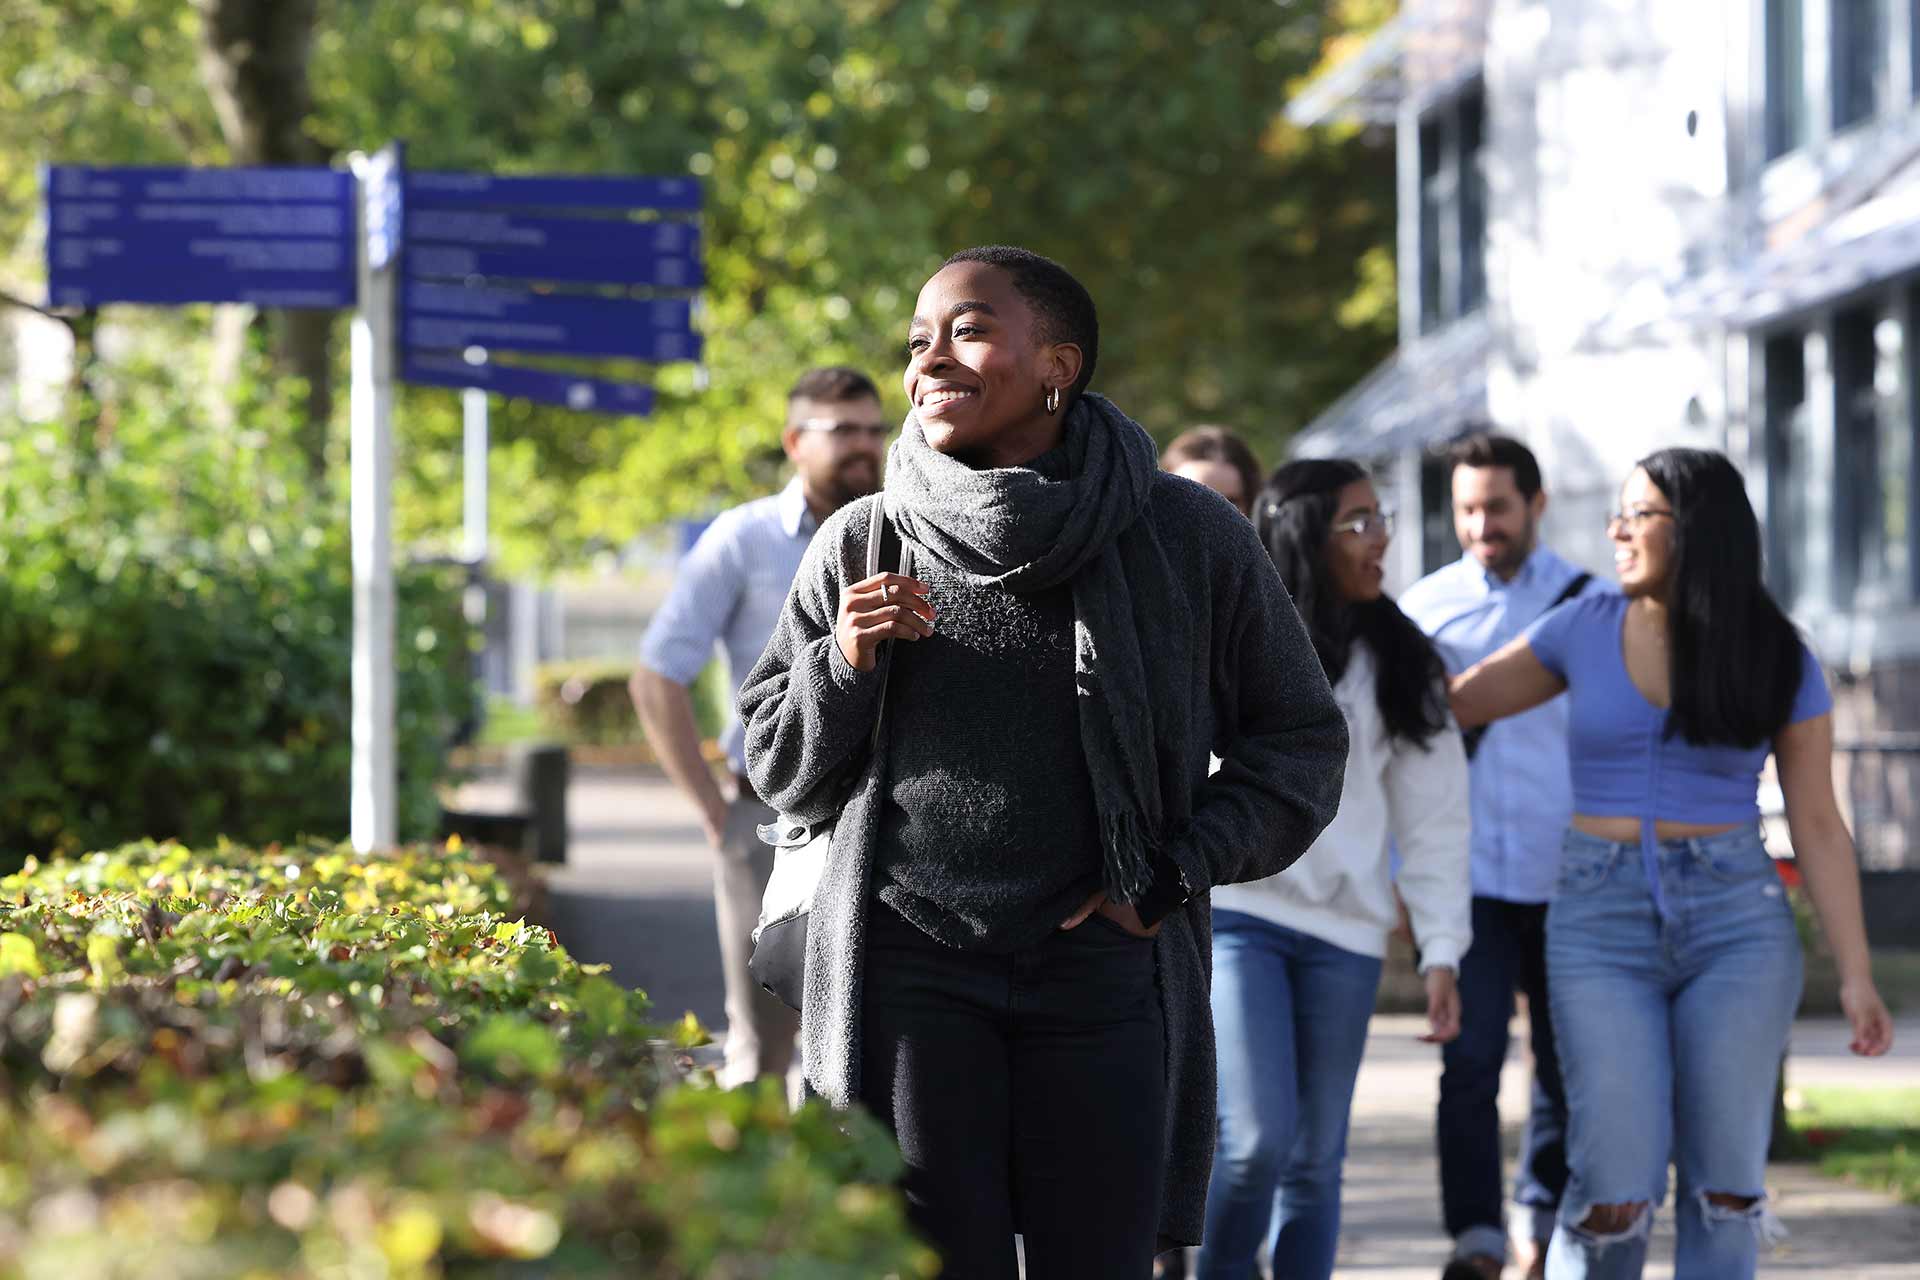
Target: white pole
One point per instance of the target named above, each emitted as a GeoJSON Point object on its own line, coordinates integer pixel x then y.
{"type": "Point", "coordinates": [373, 822]}
{"type": "Point", "coordinates": [473, 405]}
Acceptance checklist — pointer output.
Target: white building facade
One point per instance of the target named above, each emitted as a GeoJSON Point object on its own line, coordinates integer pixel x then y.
{"type": "Point", "coordinates": [1628, 224]}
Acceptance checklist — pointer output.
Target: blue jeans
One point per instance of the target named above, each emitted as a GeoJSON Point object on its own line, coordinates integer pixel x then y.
{"type": "Point", "coordinates": [1670, 1032]}
{"type": "Point", "coordinates": [1290, 1019]}
{"type": "Point", "coordinates": [1509, 953]}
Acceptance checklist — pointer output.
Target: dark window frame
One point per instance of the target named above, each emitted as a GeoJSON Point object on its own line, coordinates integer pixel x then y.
{"type": "Point", "coordinates": [1853, 515]}
{"type": "Point", "coordinates": [1860, 60]}
{"type": "Point", "coordinates": [1452, 207]}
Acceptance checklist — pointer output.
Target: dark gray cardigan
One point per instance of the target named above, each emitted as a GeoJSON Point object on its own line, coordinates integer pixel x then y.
{"type": "Point", "coordinates": [1254, 695]}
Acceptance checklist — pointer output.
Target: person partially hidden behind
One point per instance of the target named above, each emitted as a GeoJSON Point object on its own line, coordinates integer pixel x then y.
{"type": "Point", "coordinates": [1504, 580]}
{"type": "Point", "coordinates": [1007, 953]}
{"type": "Point", "coordinates": [729, 591]}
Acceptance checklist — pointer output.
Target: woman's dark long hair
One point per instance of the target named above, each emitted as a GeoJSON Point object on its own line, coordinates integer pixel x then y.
{"type": "Point", "coordinates": [1734, 658]}
{"type": "Point", "coordinates": [1294, 516]}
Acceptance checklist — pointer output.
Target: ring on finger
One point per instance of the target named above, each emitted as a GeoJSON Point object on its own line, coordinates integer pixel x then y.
{"type": "Point", "coordinates": [886, 593]}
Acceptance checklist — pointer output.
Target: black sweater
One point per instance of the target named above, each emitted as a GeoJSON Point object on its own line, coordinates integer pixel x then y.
{"type": "Point", "coordinates": [988, 835]}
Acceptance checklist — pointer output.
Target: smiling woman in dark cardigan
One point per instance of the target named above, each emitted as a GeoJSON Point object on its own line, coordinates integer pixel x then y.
{"type": "Point", "coordinates": [1007, 959]}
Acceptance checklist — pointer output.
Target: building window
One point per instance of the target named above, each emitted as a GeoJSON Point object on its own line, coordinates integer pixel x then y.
{"type": "Point", "coordinates": [1841, 529]}
{"type": "Point", "coordinates": [1873, 455]}
{"type": "Point", "coordinates": [1788, 124]}
{"type": "Point", "coordinates": [1862, 67]}
{"type": "Point", "coordinates": [1864, 52]}
{"type": "Point", "coordinates": [1453, 211]}
{"type": "Point", "coordinates": [1439, 544]}
{"type": "Point", "coordinates": [1793, 498]}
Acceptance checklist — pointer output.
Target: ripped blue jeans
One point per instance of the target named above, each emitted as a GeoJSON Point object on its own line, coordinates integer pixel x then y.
{"type": "Point", "coordinates": [1670, 1031]}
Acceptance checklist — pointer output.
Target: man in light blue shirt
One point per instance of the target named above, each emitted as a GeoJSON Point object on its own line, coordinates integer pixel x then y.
{"type": "Point", "coordinates": [1522, 799]}
{"type": "Point", "coordinates": [729, 591]}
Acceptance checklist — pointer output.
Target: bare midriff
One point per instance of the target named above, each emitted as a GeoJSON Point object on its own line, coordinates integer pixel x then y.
{"type": "Point", "coordinates": [1628, 830]}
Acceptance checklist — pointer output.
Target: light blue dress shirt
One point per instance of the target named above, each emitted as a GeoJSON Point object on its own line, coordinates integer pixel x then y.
{"type": "Point", "coordinates": [730, 589]}
{"type": "Point", "coordinates": [1522, 791]}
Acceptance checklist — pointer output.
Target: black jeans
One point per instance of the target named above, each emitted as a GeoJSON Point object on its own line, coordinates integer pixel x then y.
{"type": "Point", "coordinates": [1508, 954]}
{"type": "Point", "coordinates": [1028, 1093]}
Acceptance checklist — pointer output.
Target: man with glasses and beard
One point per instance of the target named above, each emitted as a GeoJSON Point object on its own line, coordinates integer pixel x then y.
{"type": "Point", "coordinates": [1522, 798]}
{"type": "Point", "coordinates": [730, 589]}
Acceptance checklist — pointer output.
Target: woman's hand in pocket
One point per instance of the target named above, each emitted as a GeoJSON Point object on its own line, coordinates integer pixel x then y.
{"type": "Point", "coordinates": [1119, 912]}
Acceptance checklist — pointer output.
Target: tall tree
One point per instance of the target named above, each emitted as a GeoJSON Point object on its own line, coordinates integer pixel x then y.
{"type": "Point", "coordinates": [845, 147]}
{"type": "Point", "coordinates": [253, 62]}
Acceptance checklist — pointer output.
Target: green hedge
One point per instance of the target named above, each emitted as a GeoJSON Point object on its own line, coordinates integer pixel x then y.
{"type": "Point", "coordinates": [176, 646]}
{"type": "Point", "coordinates": [301, 1062]}
{"type": "Point", "coordinates": [588, 703]}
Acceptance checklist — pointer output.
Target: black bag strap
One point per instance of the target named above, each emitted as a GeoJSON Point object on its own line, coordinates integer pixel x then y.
{"type": "Point", "coordinates": [880, 531]}
{"type": "Point", "coordinates": [1572, 589]}
{"type": "Point", "coordinates": [1471, 737]}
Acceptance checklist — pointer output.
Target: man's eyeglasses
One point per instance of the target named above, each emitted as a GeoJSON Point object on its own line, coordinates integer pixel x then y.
{"type": "Point", "coordinates": [1364, 526]}
{"type": "Point", "coordinates": [838, 430]}
{"type": "Point", "coordinates": [1635, 520]}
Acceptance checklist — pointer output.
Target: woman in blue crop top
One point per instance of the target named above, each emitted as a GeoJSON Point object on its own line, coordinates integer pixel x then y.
{"type": "Point", "coordinates": [1672, 957]}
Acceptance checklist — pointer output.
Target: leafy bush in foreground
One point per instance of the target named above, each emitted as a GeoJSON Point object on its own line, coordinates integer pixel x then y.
{"type": "Point", "coordinates": [176, 641]}
{"type": "Point", "coordinates": [308, 1063]}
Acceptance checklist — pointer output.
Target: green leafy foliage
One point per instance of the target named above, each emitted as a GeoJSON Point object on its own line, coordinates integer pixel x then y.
{"type": "Point", "coordinates": [175, 636]}
{"type": "Point", "coordinates": [589, 703]}
{"type": "Point", "coordinates": [301, 1062]}
{"type": "Point", "coordinates": [1242, 267]}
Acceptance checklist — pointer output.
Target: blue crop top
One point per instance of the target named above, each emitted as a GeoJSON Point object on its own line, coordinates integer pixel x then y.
{"type": "Point", "coordinates": [1623, 764]}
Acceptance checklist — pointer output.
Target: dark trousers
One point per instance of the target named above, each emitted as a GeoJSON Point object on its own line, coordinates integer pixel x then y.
{"type": "Point", "coordinates": [1508, 954]}
{"type": "Point", "coordinates": [1028, 1094]}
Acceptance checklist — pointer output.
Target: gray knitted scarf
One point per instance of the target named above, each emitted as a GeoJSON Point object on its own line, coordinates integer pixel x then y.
{"type": "Point", "coordinates": [1015, 528]}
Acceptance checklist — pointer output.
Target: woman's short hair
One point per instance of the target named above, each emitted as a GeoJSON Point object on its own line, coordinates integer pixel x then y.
{"type": "Point", "coordinates": [1215, 444]}
{"type": "Point", "coordinates": [1061, 303]}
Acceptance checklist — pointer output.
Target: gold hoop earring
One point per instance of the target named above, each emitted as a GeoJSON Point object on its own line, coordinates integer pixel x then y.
{"type": "Point", "coordinates": [1053, 399]}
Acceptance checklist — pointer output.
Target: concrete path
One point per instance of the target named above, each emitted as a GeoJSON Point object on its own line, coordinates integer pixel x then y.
{"type": "Point", "coordinates": [636, 893]}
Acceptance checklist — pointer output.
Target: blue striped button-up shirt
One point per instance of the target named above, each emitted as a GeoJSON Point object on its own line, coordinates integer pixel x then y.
{"type": "Point", "coordinates": [730, 589]}
{"type": "Point", "coordinates": [1522, 794]}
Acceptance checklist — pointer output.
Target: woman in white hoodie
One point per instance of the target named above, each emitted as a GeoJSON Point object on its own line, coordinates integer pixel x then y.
{"type": "Point", "coordinates": [1296, 957]}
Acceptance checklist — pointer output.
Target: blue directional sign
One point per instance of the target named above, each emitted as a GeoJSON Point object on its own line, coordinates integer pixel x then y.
{"type": "Point", "coordinates": [452, 317]}
{"type": "Point", "coordinates": [273, 237]}
{"type": "Point", "coordinates": [668, 271]}
{"type": "Point", "coordinates": [568, 390]}
{"type": "Point", "coordinates": [427, 190]}
{"type": "Point", "coordinates": [459, 244]}
{"type": "Point", "coordinates": [489, 261]}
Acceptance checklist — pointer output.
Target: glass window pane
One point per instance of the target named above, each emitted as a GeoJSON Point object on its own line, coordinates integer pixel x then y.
{"type": "Point", "coordinates": [1789, 441]}
{"type": "Point", "coordinates": [1786, 78]}
{"type": "Point", "coordinates": [1439, 545]}
{"type": "Point", "coordinates": [1432, 169]}
{"type": "Point", "coordinates": [1856, 404]}
{"type": "Point", "coordinates": [1473, 204]}
{"type": "Point", "coordinates": [1861, 29]}
{"type": "Point", "coordinates": [1886, 567]}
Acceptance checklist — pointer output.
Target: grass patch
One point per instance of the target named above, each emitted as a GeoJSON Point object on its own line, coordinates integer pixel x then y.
{"type": "Point", "coordinates": [1867, 1136]}
{"type": "Point", "coordinates": [508, 722]}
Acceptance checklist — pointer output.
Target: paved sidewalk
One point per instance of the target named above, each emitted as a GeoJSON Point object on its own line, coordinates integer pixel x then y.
{"type": "Point", "coordinates": [636, 893]}
{"type": "Point", "coordinates": [1391, 1228]}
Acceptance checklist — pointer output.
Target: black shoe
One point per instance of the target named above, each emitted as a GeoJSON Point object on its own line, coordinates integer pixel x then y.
{"type": "Point", "coordinates": [1467, 1269]}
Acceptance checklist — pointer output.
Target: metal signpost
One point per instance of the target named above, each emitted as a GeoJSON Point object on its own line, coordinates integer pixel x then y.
{"type": "Point", "coordinates": [445, 268]}
{"type": "Point", "coordinates": [373, 822]}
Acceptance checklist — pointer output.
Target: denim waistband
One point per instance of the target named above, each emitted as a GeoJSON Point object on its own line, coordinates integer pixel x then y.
{"type": "Point", "coordinates": [1669, 849]}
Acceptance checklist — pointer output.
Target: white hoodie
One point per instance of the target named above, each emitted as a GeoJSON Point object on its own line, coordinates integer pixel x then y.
{"type": "Point", "coordinates": [1341, 890]}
